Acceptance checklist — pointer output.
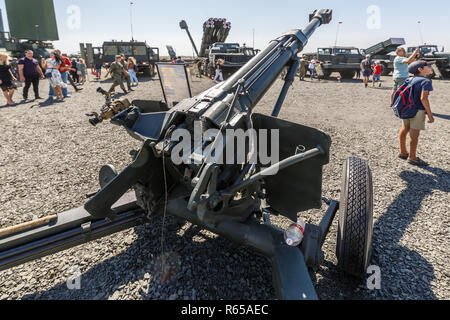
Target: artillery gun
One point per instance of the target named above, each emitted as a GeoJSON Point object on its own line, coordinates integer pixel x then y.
{"type": "Point", "coordinates": [176, 175]}
{"type": "Point", "coordinates": [111, 108]}
{"type": "Point", "coordinates": [215, 30]}
{"type": "Point", "coordinates": [381, 52]}
{"type": "Point", "coordinates": [214, 47]}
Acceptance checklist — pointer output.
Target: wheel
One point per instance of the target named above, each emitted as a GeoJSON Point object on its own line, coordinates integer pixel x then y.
{"type": "Point", "coordinates": [385, 70]}
{"type": "Point", "coordinates": [326, 74]}
{"type": "Point", "coordinates": [348, 74]}
{"type": "Point", "coordinates": [147, 72]}
{"type": "Point", "coordinates": [354, 240]}
{"type": "Point", "coordinates": [106, 175]}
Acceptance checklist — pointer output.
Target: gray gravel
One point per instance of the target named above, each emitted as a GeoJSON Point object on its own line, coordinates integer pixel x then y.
{"type": "Point", "coordinates": [50, 157]}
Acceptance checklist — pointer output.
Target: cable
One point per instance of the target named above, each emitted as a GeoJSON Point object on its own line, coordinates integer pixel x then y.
{"type": "Point", "coordinates": [166, 200]}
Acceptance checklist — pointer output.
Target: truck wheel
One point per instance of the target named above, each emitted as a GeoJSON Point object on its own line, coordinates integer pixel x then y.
{"type": "Point", "coordinates": [147, 72]}
{"type": "Point", "coordinates": [354, 240]}
{"type": "Point", "coordinates": [348, 74]}
{"type": "Point", "coordinates": [385, 69]}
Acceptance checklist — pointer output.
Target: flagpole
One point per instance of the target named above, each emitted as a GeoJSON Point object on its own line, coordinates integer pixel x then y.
{"type": "Point", "coordinates": [131, 20]}
{"type": "Point", "coordinates": [253, 38]}
{"type": "Point", "coordinates": [420, 31]}
{"type": "Point", "coordinates": [337, 33]}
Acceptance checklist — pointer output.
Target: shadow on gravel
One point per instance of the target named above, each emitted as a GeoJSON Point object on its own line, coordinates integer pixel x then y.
{"type": "Point", "coordinates": [211, 269]}
{"type": "Point", "coordinates": [441, 116]}
{"type": "Point", "coordinates": [405, 273]}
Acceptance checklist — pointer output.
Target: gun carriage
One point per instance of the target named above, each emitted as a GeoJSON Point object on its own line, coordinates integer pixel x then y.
{"type": "Point", "coordinates": [234, 200]}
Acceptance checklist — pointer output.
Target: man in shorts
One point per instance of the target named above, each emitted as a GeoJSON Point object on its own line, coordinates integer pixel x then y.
{"type": "Point", "coordinates": [366, 68]}
{"type": "Point", "coordinates": [422, 86]}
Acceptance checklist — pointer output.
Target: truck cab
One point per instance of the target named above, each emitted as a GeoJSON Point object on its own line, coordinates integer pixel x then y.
{"type": "Point", "coordinates": [424, 49]}
{"type": "Point", "coordinates": [233, 55]}
{"type": "Point", "coordinates": [432, 53]}
{"type": "Point", "coordinates": [345, 60]}
{"type": "Point", "coordinates": [146, 56]}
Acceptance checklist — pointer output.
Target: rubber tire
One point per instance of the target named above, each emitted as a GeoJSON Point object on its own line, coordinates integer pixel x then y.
{"type": "Point", "coordinates": [347, 74]}
{"type": "Point", "coordinates": [385, 70]}
{"type": "Point", "coordinates": [354, 240]}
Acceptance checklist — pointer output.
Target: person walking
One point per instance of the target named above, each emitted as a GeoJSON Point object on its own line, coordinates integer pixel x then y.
{"type": "Point", "coordinates": [377, 73]}
{"type": "Point", "coordinates": [73, 71]}
{"type": "Point", "coordinates": [366, 69]}
{"type": "Point", "coordinates": [199, 68]}
{"type": "Point", "coordinates": [30, 72]}
{"type": "Point", "coordinates": [81, 70]}
{"type": "Point", "coordinates": [303, 67]}
{"type": "Point", "coordinates": [98, 69]}
{"type": "Point", "coordinates": [6, 79]}
{"type": "Point", "coordinates": [219, 71]}
{"type": "Point", "coordinates": [63, 69]}
{"type": "Point", "coordinates": [125, 74]}
{"type": "Point", "coordinates": [401, 64]}
{"type": "Point", "coordinates": [132, 71]}
{"type": "Point", "coordinates": [312, 67]}
{"type": "Point", "coordinates": [57, 83]}
{"type": "Point", "coordinates": [179, 61]}
{"type": "Point", "coordinates": [117, 70]}
{"type": "Point", "coordinates": [421, 86]}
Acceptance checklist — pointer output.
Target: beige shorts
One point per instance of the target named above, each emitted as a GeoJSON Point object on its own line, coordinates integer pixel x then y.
{"type": "Point", "coordinates": [418, 122]}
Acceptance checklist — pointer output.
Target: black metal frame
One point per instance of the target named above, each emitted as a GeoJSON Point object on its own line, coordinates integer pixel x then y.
{"type": "Point", "coordinates": [75, 227]}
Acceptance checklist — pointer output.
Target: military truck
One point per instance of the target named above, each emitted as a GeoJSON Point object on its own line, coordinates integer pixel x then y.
{"type": "Point", "coordinates": [215, 47]}
{"type": "Point", "coordinates": [381, 52]}
{"type": "Point", "coordinates": [432, 53]}
{"type": "Point", "coordinates": [345, 60]}
{"type": "Point", "coordinates": [146, 56]}
{"type": "Point", "coordinates": [233, 55]}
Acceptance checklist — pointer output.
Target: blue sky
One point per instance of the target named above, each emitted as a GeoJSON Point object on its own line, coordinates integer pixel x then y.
{"type": "Point", "coordinates": [157, 21]}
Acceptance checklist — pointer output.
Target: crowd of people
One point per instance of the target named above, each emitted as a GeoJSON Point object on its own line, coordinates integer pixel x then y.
{"type": "Point", "coordinates": [60, 72]}
{"type": "Point", "coordinates": [58, 69]}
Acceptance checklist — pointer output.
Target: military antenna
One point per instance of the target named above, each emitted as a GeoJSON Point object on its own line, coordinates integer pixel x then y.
{"type": "Point", "coordinates": [131, 20]}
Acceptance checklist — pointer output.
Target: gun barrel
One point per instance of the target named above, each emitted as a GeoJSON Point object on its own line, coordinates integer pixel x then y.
{"type": "Point", "coordinates": [262, 71]}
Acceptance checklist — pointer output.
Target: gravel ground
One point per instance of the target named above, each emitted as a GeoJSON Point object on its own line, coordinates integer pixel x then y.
{"type": "Point", "coordinates": [50, 157]}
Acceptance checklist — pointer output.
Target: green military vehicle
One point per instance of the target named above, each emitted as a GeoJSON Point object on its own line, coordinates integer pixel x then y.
{"type": "Point", "coordinates": [382, 52]}
{"type": "Point", "coordinates": [432, 53]}
{"type": "Point", "coordinates": [215, 47]}
{"type": "Point", "coordinates": [146, 56]}
{"type": "Point", "coordinates": [344, 60]}
{"type": "Point", "coordinates": [29, 29]}
{"type": "Point", "coordinates": [233, 55]}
